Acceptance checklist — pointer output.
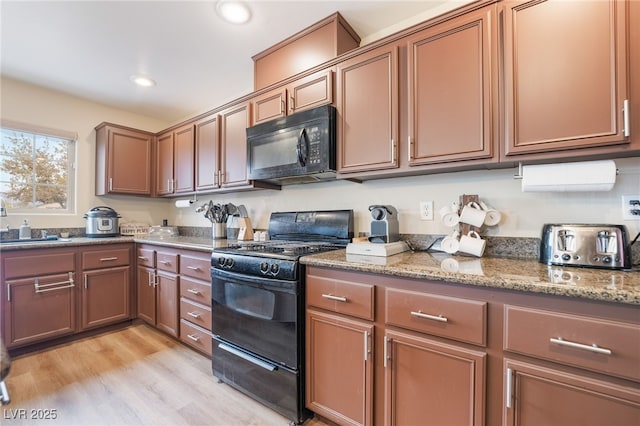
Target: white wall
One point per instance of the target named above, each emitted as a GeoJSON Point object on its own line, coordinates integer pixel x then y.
{"type": "Point", "coordinates": [524, 213]}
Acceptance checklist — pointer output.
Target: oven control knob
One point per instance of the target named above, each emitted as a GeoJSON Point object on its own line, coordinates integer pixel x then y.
{"type": "Point", "coordinates": [566, 257]}
{"type": "Point", "coordinates": [606, 259]}
{"type": "Point", "coordinates": [275, 268]}
{"type": "Point", "coordinates": [221, 261]}
{"type": "Point", "coordinates": [264, 267]}
{"type": "Point", "coordinates": [228, 262]}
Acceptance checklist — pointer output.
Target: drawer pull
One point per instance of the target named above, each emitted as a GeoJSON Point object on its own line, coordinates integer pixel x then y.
{"type": "Point", "coordinates": [143, 258]}
{"type": "Point", "coordinates": [194, 338]}
{"type": "Point", "coordinates": [194, 268]}
{"type": "Point", "coordinates": [107, 259]}
{"type": "Point", "coordinates": [431, 317]}
{"type": "Point", "coordinates": [193, 314]}
{"type": "Point", "coordinates": [332, 297]}
{"type": "Point", "coordinates": [164, 262]}
{"type": "Point", "coordinates": [591, 348]}
{"type": "Point", "coordinates": [193, 291]}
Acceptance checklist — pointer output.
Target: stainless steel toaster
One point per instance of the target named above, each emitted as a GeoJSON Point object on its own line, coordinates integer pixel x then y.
{"type": "Point", "coordinates": [586, 245]}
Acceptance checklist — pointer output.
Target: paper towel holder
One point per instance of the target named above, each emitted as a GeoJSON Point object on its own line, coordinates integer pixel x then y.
{"type": "Point", "coordinates": [519, 175]}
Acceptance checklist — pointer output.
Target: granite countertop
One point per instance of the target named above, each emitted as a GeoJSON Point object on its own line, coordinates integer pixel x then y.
{"type": "Point", "coordinates": [527, 275]}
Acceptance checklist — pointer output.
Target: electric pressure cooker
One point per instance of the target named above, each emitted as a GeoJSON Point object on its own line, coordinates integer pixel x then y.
{"type": "Point", "coordinates": [102, 221]}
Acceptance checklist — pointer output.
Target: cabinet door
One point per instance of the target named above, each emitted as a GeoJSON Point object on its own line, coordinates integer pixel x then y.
{"type": "Point", "coordinates": [128, 163]}
{"type": "Point", "coordinates": [565, 74]}
{"type": "Point", "coordinates": [367, 104]}
{"type": "Point", "coordinates": [432, 383]}
{"type": "Point", "coordinates": [567, 399]}
{"type": "Point", "coordinates": [339, 376]}
{"type": "Point", "coordinates": [167, 303]}
{"type": "Point", "coordinates": [146, 300]}
{"type": "Point", "coordinates": [164, 164]}
{"type": "Point", "coordinates": [450, 90]}
{"type": "Point", "coordinates": [270, 105]}
{"type": "Point", "coordinates": [184, 159]}
{"type": "Point", "coordinates": [233, 143]}
{"type": "Point", "coordinates": [40, 308]}
{"type": "Point", "coordinates": [310, 91]}
{"type": "Point", "coordinates": [105, 296]}
{"type": "Point", "coordinates": [207, 153]}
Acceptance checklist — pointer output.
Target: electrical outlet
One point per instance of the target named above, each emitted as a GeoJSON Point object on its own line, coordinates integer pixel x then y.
{"type": "Point", "coordinates": [426, 210]}
{"type": "Point", "coordinates": [631, 207]}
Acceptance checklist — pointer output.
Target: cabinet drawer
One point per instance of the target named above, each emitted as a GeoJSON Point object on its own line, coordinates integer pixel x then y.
{"type": "Point", "coordinates": [595, 344]}
{"type": "Point", "coordinates": [197, 291]}
{"type": "Point", "coordinates": [344, 297]}
{"type": "Point", "coordinates": [146, 257]}
{"type": "Point", "coordinates": [29, 263]}
{"type": "Point", "coordinates": [106, 258]}
{"type": "Point", "coordinates": [195, 336]}
{"type": "Point", "coordinates": [196, 267]}
{"type": "Point", "coordinates": [166, 261]}
{"type": "Point", "coordinates": [195, 313]}
{"type": "Point", "coordinates": [458, 319]}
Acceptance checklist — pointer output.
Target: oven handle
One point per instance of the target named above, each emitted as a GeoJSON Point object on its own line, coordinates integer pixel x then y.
{"type": "Point", "coordinates": [247, 357]}
{"type": "Point", "coordinates": [302, 148]}
{"type": "Point", "coordinates": [267, 283]}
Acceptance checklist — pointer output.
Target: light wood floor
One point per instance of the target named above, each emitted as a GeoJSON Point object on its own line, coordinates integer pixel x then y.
{"type": "Point", "coordinates": [133, 376]}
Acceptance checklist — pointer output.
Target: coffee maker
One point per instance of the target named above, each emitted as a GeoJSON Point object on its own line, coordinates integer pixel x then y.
{"type": "Point", "coordinates": [384, 224]}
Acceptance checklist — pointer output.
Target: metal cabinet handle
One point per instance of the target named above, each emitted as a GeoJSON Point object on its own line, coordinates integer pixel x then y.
{"type": "Point", "coordinates": [193, 314]}
{"type": "Point", "coordinates": [625, 114]}
{"type": "Point", "coordinates": [410, 150]}
{"type": "Point", "coordinates": [332, 297]}
{"type": "Point", "coordinates": [509, 388]}
{"type": "Point", "coordinates": [420, 314]}
{"type": "Point", "coordinates": [193, 291]}
{"type": "Point", "coordinates": [386, 351]}
{"type": "Point", "coordinates": [142, 258]}
{"type": "Point", "coordinates": [86, 279]}
{"type": "Point", "coordinates": [194, 268]}
{"type": "Point", "coordinates": [194, 338]}
{"type": "Point", "coordinates": [110, 184]}
{"type": "Point", "coordinates": [292, 103]}
{"type": "Point", "coordinates": [282, 107]}
{"type": "Point", "coordinates": [164, 262]}
{"type": "Point", "coordinates": [591, 348]}
{"type": "Point", "coordinates": [41, 288]}
{"type": "Point", "coordinates": [107, 259]}
{"type": "Point", "coordinates": [366, 345]}
{"type": "Point", "coordinates": [393, 151]}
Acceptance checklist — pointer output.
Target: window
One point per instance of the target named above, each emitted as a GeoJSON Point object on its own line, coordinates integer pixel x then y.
{"type": "Point", "coordinates": [37, 169]}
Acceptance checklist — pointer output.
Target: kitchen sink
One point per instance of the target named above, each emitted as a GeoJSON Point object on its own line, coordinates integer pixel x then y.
{"type": "Point", "coordinates": [32, 240]}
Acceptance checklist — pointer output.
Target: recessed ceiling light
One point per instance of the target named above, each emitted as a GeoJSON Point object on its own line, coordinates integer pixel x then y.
{"type": "Point", "coordinates": [235, 12]}
{"type": "Point", "coordinates": [143, 81]}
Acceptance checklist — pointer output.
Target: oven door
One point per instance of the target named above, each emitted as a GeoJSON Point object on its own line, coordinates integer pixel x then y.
{"type": "Point", "coordinates": [259, 315]}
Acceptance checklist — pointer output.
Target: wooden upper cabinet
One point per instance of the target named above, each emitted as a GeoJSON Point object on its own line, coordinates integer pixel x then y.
{"type": "Point", "coordinates": [305, 93]}
{"type": "Point", "coordinates": [164, 164]}
{"type": "Point", "coordinates": [565, 75]}
{"type": "Point", "coordinates": [233, 144]}
{"type": "Point", "coordinates": [367, 104]}
{"type": "Point", "coordinates": [184, 159]}
{"type": "Point", "coordinates": [175, 161]}
{"type": "Point", "coordinates": [123, 160]}
{"type": "Point", "coordinates": [207, 140]}
{"type": "Point", "coordinates": [450, 90]}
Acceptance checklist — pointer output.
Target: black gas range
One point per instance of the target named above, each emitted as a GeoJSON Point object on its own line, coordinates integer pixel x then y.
{"type": "Point", "coordinates": [258, 306]}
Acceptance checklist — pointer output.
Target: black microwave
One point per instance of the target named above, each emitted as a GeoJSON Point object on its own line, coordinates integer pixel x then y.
{"type": "Point", "coordinates": [299, 148]}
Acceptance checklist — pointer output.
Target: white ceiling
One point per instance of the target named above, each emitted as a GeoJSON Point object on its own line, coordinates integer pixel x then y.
{"type": "Point", "coordinates": [91, 48]}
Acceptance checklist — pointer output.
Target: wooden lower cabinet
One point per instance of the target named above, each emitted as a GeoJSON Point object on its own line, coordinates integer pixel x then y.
{"type": "Point", "coordinates": [387, 350]}
{"type": "Point", "coordinates": [537, 395]}
{"type": "Point", "coordinates": [429, 382]}
{"type": "Point", "coordinates": [105, 291]}
{"type": "Point", "coordinates": [339, 383]}
{"type": "Point", "coordinates": [158, 288]}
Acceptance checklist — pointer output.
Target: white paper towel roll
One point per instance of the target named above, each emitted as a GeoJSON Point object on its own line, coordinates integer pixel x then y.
{"type": "Point", "coordinates": [567, 177]}
{"type": "Point", "coordinates": [183, 203]}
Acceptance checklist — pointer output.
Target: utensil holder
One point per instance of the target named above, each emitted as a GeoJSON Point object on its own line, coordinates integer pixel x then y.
{"type": "Point", "coordinates": [219, 230]}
